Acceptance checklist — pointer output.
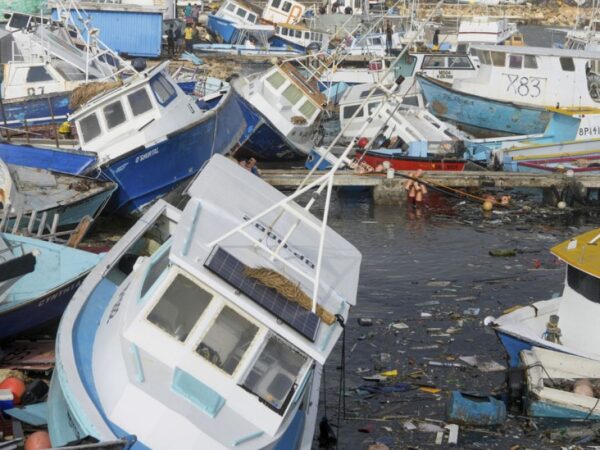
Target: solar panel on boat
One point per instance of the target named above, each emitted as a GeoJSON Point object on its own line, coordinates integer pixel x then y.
{"type": "Point", "coordinates": [229, 268]}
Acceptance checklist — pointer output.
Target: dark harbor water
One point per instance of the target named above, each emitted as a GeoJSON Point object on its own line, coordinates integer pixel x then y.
{"type": "Point", "coordinates": [434, 261]}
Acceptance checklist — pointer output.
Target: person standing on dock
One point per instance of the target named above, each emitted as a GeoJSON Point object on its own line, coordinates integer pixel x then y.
{"type": "Point", "coordinates": [195, 14]}
{"type": "Point", "coordinates": [171, 40]}
{"type": "Point", "coordinates": [388, 38]}
{"type": "Point", "coordinates": [188, 36]}
{"type": "Point", "coordinates": [187, 12]}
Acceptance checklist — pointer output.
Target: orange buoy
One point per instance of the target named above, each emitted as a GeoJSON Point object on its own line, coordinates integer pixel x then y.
{"type": "Point", "coordinates": [16, 386]}
{"type": "Point", "coordinates": [38, 441]}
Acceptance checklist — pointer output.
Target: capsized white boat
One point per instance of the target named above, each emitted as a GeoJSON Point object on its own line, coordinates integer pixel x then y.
{"type": "Point", "coordinates": [189, 347]}
{"type": "Point", "coordinates": [561, 386]}
{"type": "Point", "coordinates": [567, 323]}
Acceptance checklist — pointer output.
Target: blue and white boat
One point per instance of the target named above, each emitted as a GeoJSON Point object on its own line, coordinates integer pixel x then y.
{"type": "Point", "coordinates": [47, 63]}
{"type": "Point", "coordinates": [516, 88]}
{"type": "Point", "coordinates": [298, 37]}
{"type": "Point", "coordinates": [37, 280]}
{"type": "Point", "coordinates": [281, 107]}
{"type": "Point", "coordinates": [234, 20]}
{"type": "Point", "coordinates": [553, 385]}
{"type": "Point", "coordinates": [567, 323]}
{"type": "Point", "coordinates": [146, 135]}
{"type": "Point", "coordinates": [194, 338]}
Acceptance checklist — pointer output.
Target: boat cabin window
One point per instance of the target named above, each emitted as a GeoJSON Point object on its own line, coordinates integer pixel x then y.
{"type": "Point", "coordinates": [251, 17]}
{"type": "Point", "coordinates": [227, 340]}
{"type": "Point", "coordinates": [163, 90]}
{"type": "Point", "coordinates": [530, 62]}
{"type": "Point", "coordinates": [139, 101]}
{"type": "Point", "coordinates": [461, 48]}
{"type": "Point", "coordinates": [515, 61]}
{"type": "Point", "coordinates": [292, 94]}
{"type": "Point", "coordinates": [276, 3]}
{"type": "Point", "coordinates": [241, 13]}
{"type": "Point", "coordinates": [459, 62]}
{"type": "Point", "coordinates": [18, 21]}
{"type": "Point", "coordinates": [230, 7]}
{"type": "Point", "coordinates": [584, 284]}
{"type": "Point", "coordinates": [275, 375]}
{"type": "Point", "coordinates": [307, 109]}
{"type": "Point", "coordinates": [179, 307]}
{"type": "Point", "coordinates": [484, 57]}
{"type": "Point", "coordinates": [286, 7]}
{"type": "Point", "coordinates": [372, 107]}
{"type": "Point", "coordinates": [38, 74]}
{"type": "Point", "coordinates": [434, 62]}
{"type": "Point", "coordinates": [276, 79]}
{"type": "Point", "coordinates": [567, 64]}
{"type": "Point", "coordinates": [350, 110]}
{"type": "Point", "coordinates": [114, 114]}
{"type": "Point", "coordinates": [306, 35]}
{"type": "Point", "coordinates": [157, 267]}
{"type": "Point", "coordinates": [299, 34]}
{"type": "Point", "coordinates": [376, 41]}
{"type": "Point", "coordinates": [90, 127]}
{"type": "Point", "coordinates": [498, 59]}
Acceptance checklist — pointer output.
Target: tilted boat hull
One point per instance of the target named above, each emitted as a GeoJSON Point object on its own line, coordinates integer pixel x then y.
{"type": "Point", "coordinates": [36, 110]}
{"type": "Point", "coordinates": [482, 113]}
{"type": "Point", "coordinates": [398, 162]}
{"type": "Point", "coordinates": [225, 30]}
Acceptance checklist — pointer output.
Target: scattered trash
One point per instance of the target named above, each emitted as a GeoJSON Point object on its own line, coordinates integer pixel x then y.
{"type": "Point", "coordinates": [379, 389]}
{"type": "Point", "coordinates": [35, 415]}
{"type": "Point", "coordinates": [503, 252]}
{"type": "Point", "coordinates": [365, 322]}
{"type": "Point", "coordinates": [472, 312]}
{"type": "Point", "coordinates": [409, 426]}
{"type": "Point", "coordinates": [444, 364]}
{"type": "Point", "coordinates": [453, 434]}
{"type": "Point", "coordinates": [426, 315]}
{"type": "Point", "coordinates": [430, 390]}
{"type": "Point", "coordinates": [439, 283]}
{"type": "Point", "coordinates": [399, 326]}
{"type": "Point", "coordinates": [390, 373]}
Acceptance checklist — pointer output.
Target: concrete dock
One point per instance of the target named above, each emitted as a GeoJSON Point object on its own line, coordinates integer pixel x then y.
{"type": "Point", "coordinates": [387, 190]}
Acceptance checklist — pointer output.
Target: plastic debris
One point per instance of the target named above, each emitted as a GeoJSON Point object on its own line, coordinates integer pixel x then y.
{"type": "Point", "coordinates": [475, 410]}
{"type": "Point", "coordinates": [426, 315]}
{"type": "Point", "coordinates": [430, 390]}
{"type": "Point", "coordinates": [444, 364]}
{"type": "Point", "coordinates": [503, 252]}
{"type": "Point", "coordinates": [471, 312]}
{"type": "Point", "coordinates": [365, 322]}
{"type": "Point", "coordinates": [379, 389]}
{"type": "Point", "coordinates": [399, 326]}
{"type": "Point", "coordinates": [453, 434]}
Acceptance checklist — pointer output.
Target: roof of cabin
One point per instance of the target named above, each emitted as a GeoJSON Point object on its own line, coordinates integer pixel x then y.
{"type": "Point", "coordinates": [309, 88]}
{"type": "Point", "coordinates": [581, 252]}
{"type": "Point", "coordinates": [248, 6]}
{"type": "Point", "coordinates": [539, 51]}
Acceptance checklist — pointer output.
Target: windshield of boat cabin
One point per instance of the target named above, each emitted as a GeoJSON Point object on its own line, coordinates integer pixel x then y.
{"type": "Point", "coordinates": [276, 373]}
{"type": "Point", "coordinates": [584, 284]}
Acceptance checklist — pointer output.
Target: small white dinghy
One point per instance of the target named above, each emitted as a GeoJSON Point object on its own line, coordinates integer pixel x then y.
{"type": "Point", "coordinates": [217, 338]}
{"type": "Point", "coordinates": [561, 386]}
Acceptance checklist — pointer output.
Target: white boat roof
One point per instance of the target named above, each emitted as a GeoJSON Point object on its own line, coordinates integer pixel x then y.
{"type": "Point", "coordinates": [226, 195]}
{"type": "Point", "coordinates": [539, 51]}
{"type": "Point", "coordinates": [358, 93]}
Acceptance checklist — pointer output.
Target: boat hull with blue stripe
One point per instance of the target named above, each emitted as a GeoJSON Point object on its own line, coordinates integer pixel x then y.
{"type": "Point", "coordinates": [486, 115]}
{"type": "Point", "coordinates": [35, 111]}
{"type": "Point", "coordinates": [223, 29]}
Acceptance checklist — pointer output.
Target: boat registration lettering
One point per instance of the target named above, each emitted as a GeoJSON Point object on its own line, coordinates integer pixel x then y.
{"type": "Point", "coordinates": [115, 309]}
{"type": "Point", "coordinates": [272, 235]}
{"type": "Point", "coordinates": [146, 155]}
{"type": "Point", "coordinates": [64, 291]}
{"type": "Point", "coordinates": [444, 74]}
{"type": "Point", "coordinates": [524, 86]}
{"type": "Point", "coordinates": [588, 131]}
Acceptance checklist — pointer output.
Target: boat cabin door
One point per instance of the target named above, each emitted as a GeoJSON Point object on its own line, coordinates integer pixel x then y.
{"type": "Point", "coordinates": [405, 67]}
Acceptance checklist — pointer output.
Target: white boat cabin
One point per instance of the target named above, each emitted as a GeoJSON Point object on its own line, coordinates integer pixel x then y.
{"type": "Point", "coordinates": [239, 12]}
{"type": "Point", "coordinates": [535, 76]}
{"type": "Point", "coordinates": [445, 67]}
{"type": "Point", "coordinates": [145, 110]}
{"type": "Point", "coordinates": [486, 30]}
{"type": "Point", "coordinates": [283, 11]}
{"type": "Point", "coordinates": [407, 123]}
{"type": "Point", "coordinates": [301, 36]}
{"type": "Point", "coordinates": [284, 96]}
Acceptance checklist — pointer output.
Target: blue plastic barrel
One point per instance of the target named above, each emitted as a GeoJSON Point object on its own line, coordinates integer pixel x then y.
{"type": "Point", "coordinates": [475, 410]}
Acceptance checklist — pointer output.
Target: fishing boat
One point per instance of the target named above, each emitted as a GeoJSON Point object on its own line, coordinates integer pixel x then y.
{"type": "Point", "coordinates": [145, 134]}
{"type": "Point", "coordinates": [219, 336]}
{"type": "Point", "coordinates": [444, 67]}
{"type": "Point", "coordinates": [560, 386]}
{"type": "Point", "coordinates": [404, 122]}
{"type": "Point", "coordinates": [298, 37]}
{"type": "Point", "coordinates": [578, 156]}
{"type": "Point", "coordinates": [234, 20]}
{"type": "Point", "coordinates": [402, 160]}
{"type": "Point", "coordinates": [486, 30]}
{"type": "Point", "coordinates": [37, 199]}
{"type": "Point", "coordinates": [281, 107]}
{"type": "Point", "coordinates": [37, 280]}
{"type": "Point", "coordinates": [566, 323]}
{"type": "Point", "coordinates": [48, 60]}
{"type": "Point", "coordinates": [247, 49]}
{"type": "Point", "coordinates": [517, 88]}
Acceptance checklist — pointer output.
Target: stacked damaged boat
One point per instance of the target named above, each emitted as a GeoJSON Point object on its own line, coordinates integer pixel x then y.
{"type": "Point", "coordinates": [220, 334]}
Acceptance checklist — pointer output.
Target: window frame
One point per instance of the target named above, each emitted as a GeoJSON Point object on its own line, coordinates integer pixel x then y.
{"type": "Point", "coordinates": [426, 64]}
{"type": "Point", "coordinates": [109, 127]}
{"type": "Point", "coordinates": [515, 61]}
{"type": "Point", "coordinates": [287, 5]}
{"type": "Point", "coordinates": [129, 103]}
{"type": "Point", "coordinates": [567, 64]}
{"type": "Point", "coordinates": [46, 71]}
{"type": "Point", "coordinates": [496, 63]}
{"type": "Point", "coordinates": [258, 336]}
{"type": "Point", "coordinates": [527, 59]}
{"type": "Point", "coordinates": [232, 9]}
{"type": "Point", "coordinates": [160, 76]}
{"type": "Point", "coordinates": [80, 123]}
